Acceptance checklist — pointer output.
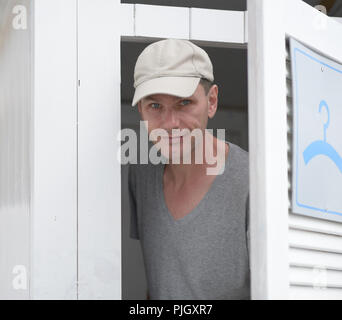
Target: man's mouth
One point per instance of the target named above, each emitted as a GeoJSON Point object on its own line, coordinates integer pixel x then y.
{"type": "Point", "coordinates": [174, 139]}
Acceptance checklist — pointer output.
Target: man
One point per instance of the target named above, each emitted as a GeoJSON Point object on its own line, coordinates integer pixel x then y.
{"type": "Point", "coordinates": [192, 225]}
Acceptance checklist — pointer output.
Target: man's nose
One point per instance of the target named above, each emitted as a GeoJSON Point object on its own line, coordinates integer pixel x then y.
{"type": "Point", "coordinates": [171, 119]}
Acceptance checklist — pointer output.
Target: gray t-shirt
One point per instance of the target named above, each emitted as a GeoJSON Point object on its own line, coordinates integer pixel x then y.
{"type": "Point", "coordinates": [203, 255]}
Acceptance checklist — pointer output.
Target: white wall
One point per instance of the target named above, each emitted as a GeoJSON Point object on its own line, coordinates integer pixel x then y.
{"type": "Point", "coordinates": [54, 147]}
{"type": "Point", "coordinates": [99, 192]}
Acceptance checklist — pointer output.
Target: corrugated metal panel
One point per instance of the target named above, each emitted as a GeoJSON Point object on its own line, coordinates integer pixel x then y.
{"type": "Point", "coordinates": [15, 152]}
{"type": "Point", "coordinates": [315, 245]}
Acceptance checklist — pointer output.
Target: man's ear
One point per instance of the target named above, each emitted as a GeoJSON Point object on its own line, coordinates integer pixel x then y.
{"type": "Point", "coordinates": [139, 107]}
{"type": "Point", "coordinates": [212, 100]}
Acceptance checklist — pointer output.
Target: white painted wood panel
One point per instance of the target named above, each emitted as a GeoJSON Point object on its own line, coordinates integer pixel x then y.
{"type": "Point", "coordinates": [54, 197]}
{"type": "Point", "coordinates": [310, 258]}
{"type": "Point", "coordinates": [268, 150]}
{"type": "Point", "coordinates": [161, 21]}
{"type": "Point", "coordinates": [304, 293]}
{"type": "Point", "coordinates": [315, 241]}
{"type": "Point", "coordinates": [99, 121]}
{"type": "Point", "coordinates": [316, 277]}
{"type": "Point", "coordinates": [217, 25]}
{"type": "Point", "coordinates": [127, 19]}
{"type": "Point", "coordinates": [315, 225]}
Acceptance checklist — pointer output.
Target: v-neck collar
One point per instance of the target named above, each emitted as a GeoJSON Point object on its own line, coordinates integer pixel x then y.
{"type": "Point", "coordinates": [194, 212]}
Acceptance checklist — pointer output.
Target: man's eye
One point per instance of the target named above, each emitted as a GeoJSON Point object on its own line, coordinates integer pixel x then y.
{"type": "Point", "coordinates": [155, 105]}
{"type": "Point", "coordinates": [185, 102]}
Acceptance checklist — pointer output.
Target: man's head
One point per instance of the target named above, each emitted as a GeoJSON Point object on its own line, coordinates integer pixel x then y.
{"type": "Point", "coordinates": [174, 89]}
{"type": "Point", "coordinates": [171, 66]}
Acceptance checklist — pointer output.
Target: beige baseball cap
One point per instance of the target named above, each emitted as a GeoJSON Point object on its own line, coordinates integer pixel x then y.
{"type": "Point", "coordinates": [172, 67]}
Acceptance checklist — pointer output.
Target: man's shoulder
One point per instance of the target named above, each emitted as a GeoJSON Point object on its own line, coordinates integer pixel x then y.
{"type": "Point", "coordinates": [239, 155]}
{"type": "Point", "coordinates": [238, 163]}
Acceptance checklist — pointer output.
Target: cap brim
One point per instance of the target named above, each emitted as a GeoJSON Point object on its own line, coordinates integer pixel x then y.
{"type": "Point", "coordinates": [176, 86]}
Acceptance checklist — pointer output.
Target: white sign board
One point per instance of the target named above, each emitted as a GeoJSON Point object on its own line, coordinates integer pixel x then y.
{"type": "Point", "coordinates": [317, 134]}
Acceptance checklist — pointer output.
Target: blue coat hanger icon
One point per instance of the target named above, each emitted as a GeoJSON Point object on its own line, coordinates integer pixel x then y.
{"type": "Point", "coordinates": [322, 147]}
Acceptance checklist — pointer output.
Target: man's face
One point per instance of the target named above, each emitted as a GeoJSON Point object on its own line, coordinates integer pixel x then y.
{"type": "Point", "coordinates": [168, 112]}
